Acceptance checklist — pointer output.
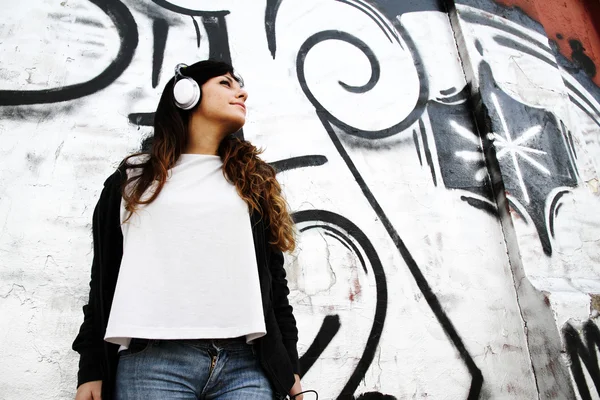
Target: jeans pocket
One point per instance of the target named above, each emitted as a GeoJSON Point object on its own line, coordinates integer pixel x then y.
{"type": "Point", "coordinates": [136, 346]}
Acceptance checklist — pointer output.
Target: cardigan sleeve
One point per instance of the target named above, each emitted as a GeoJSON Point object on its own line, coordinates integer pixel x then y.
{"type": "Point", "coordinates": [89, 343]}
{"type": "Point", "coordinates": [282, 308]}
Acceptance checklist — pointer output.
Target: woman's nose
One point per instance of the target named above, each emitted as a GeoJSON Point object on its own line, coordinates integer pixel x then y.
{"type": "Point", "coordinates": [243, 94]}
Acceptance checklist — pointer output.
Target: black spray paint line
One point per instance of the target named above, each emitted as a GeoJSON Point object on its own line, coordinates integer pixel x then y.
{"type": "Point", "coordinates": [395, 9]}
{"type": "Point", "coordinates": [576, 92]}
{"type": "Point", "coordinates": [414, 115]}
{"type": "Point", "coordinates": [448, 92]}
{"type": "Point", "coordinates": [128, 35]}
{"type": "Point", "coordinates": [558, 207]}
{"type": "Point", "coordinates": [92, 54]}
{"type": "Point", "coordinates": [553, 209]}
{"type": "Point", "coordinates": [421, 281]}
{"type": "Point", "coordinates": [585, 110]}
{"type": "Point", "coordinates": [81, 20]}
{"type": "Point", "coordinates": [427, 151]}
{"type": "Point", "coordinates": [417, 146]}
{"type": "Point", "coordinates": [570, 146]}
{"type": "Point", "coordinates": [271, 11]}
{"type": "Point", "coordinates": [216, 30]}
{"type": "Point", "coordinates": [373, 79]}
{"type": "Point", "coordinates": [186, 11]}
{"type": "Point", "coordinates": [355, 235]}
{"type": "Point", "coordinates": [331, 235]}
{"type": "Point", "coordinates": [482, 205]}
{"type": "Point", "coordinates": [160, 31]}
{"type": "Point", "coordinates": [89, 22]}
{"type": "Point", "coordinates": [459, 97]}
{"type": "Point", "coordinates": [584, 98]}
{"type": "Point", "coordinates": [142, 119]}
{"type": "Point", "coordinates": [375, 68]}
{"type": "Point", "coordinates": [577, 351]}
{"type": "Point", "coordinates": [329, 328]}
{"type": "Point", "coordinates": [516, 207]}
{"type": "Point", "coordinates": [197, 29]}
{"type": "Point", "coordinates": [93, 43]}
{"type": "Point", "coordinates": [513, 44]}
{"type": "Point", "coordinates": [374, 16]}
{"type": "Point", "coordinates": [298, 162]}
{"type": "Point", "coordinates": [375, 396]}
{"type": "Point", "coordinates": [214, 23]}
{"type": "Point", "coordinates": [343, 239]}
{"type": "Point", "coordinates": [478, 18]}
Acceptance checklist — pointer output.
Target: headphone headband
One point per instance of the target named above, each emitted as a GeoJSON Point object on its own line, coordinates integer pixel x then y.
{"type": "Point", "coordinates": [178, 69]}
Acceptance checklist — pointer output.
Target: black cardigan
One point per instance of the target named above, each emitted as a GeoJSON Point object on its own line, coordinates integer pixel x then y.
{"type": "Point", "coordinates": [276, 350]}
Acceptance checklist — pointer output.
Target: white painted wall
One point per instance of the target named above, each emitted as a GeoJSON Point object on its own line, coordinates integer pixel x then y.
{"type": "Point", "coordinates": [55, 157]}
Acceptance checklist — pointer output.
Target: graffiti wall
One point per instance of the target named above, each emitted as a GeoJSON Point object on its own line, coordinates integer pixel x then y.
{"type": "Point", "coordinates": [537, 112]}
{"type": "Point", "coordinates": [572, 30]}
{"type": "Point", "coordinates": [441, 160]}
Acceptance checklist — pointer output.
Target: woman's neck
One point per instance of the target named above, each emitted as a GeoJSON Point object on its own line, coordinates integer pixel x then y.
{"type": "Point", "coordinates": [202, 147]}
{"type": "Point", "coordinates": [204, 137]}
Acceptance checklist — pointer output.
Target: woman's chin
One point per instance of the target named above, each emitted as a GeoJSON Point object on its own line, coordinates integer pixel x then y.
{"type": "Point", "coordinates": [236, 124]}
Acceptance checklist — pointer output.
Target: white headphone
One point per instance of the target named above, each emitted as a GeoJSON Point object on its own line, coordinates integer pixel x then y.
{"type": "Point", "coordinates": [186, 90]}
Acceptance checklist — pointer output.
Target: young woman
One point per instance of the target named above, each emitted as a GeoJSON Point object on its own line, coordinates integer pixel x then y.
{"type": "Point", "coordinates": [188, 296]}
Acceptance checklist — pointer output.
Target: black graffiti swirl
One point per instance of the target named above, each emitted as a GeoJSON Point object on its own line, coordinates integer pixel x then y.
{"type": "Point", "coordinates": [128, 35]}
{"type": "Point", "coordinates": [329, 121]}
{"type": "Point", "coordinates": [409, 120]}
{"type": "Point", "coordinates": [350, 235]}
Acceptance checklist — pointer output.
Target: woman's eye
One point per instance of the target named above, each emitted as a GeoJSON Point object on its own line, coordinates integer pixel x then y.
{"type": "Point", "coordinates": [225, 83]}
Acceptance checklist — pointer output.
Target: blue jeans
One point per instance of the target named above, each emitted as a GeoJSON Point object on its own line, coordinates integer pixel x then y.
{"type": "Point", "coordinates": [220, 369]}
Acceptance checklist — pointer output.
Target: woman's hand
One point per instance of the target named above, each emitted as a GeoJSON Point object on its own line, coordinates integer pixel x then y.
{"type": "Point", "coordinates": [89, 391]}
{"type": "Point", "coordinates": [297, 388]}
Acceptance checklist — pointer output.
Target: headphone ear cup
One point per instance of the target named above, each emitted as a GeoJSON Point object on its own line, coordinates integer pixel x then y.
{"type": "Point", "coordinates": [186, 93]}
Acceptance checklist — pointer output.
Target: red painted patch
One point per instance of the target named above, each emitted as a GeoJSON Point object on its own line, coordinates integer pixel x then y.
{"type": "Point", "coordinates": [355, 291]}
{"type": "Point", "coordinates": [571, 24]}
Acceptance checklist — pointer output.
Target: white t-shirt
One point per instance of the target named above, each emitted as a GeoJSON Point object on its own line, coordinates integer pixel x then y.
{"type": "Point", "coordinates": [189, 267]}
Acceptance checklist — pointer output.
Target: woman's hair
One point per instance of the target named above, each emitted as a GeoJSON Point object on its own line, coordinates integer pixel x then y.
{"type": "Point", "coordinates": [253, 178]}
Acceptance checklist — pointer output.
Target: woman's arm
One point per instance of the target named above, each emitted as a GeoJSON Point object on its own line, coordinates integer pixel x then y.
{"type": "Point", "coordinates": [282, 308]}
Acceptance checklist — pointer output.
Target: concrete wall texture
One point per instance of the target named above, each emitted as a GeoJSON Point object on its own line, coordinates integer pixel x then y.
{"type": "Point", "coordinates": [441, 158]}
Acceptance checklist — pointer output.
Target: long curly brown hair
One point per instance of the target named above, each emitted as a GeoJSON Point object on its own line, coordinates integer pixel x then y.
{"type": "Point", "coordinates": [254, 179]}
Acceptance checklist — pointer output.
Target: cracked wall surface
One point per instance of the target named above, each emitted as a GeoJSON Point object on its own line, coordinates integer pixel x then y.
{"type": "Point", "coordinates": [441, 160]}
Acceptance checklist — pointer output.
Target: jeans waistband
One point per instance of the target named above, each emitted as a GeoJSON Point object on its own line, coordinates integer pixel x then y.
{"type": "Point", "coordinates": [219, 342]}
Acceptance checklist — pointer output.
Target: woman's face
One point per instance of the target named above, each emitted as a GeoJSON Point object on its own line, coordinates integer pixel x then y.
{"type": "Point", "coordinates": [223, 101]}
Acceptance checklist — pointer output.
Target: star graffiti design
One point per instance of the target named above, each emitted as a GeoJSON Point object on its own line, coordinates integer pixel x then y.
{"type": "Point", "coordinates": [533, 148]}
{"type": "Point", "coordinates": [517, 148]}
